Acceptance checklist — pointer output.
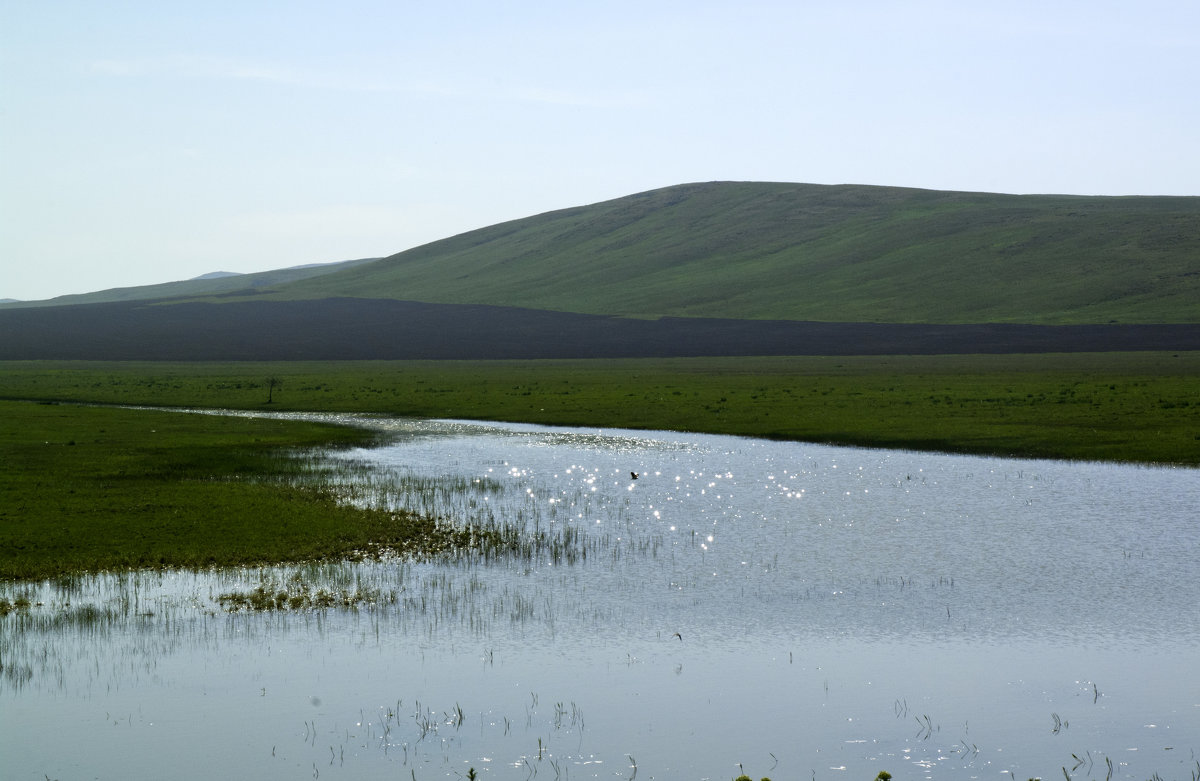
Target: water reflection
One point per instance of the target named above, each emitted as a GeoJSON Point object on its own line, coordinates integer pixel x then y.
{"type": "Point", "coordinates": [805, 611]}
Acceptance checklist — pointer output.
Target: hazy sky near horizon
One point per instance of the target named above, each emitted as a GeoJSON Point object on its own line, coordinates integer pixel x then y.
{"type": "Point", "coordinates": [145, 142]}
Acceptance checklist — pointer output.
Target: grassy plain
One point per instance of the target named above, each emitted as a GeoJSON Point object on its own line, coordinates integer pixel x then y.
{"type": "Point", "coordinates": [1135, 407]}
{"type": "Point", "coordinates": [96, 488]}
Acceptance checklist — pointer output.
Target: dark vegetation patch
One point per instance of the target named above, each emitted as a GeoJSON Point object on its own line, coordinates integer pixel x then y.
{"type": "Point", "coordinates": [382, 329]}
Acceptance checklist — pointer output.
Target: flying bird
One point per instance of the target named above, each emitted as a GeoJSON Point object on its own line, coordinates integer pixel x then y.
{"type": "Point", "coordinates": [633, 475]}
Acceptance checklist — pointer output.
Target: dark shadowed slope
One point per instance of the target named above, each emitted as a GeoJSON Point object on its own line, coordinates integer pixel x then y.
{"type": "Point", "coordinates": [354, 329]}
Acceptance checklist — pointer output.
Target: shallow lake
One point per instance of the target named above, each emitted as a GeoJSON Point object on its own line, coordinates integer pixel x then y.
{"type": "Point", "coordinates": [779, 609]}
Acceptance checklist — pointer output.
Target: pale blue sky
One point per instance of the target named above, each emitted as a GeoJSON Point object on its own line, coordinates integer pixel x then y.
{"type": "Point", "coordinates": [145, 142]}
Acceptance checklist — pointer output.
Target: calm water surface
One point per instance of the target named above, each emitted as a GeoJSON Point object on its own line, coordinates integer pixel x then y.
{"type": "Point", "coordinates": [790, 610]}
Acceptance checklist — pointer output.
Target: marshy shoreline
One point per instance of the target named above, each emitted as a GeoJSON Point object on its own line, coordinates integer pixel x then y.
{"type": "Point", "coordinates": [766, 589]}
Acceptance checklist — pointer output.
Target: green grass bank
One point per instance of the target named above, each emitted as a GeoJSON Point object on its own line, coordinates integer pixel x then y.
{"type": "Point", "coordinates": [96, 488]}
{"type": "Point", "coordinates": [1127, 407]}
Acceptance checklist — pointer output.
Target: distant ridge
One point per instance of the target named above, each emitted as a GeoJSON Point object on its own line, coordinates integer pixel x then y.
{"type": "Point", "coordinates": [217, 283]}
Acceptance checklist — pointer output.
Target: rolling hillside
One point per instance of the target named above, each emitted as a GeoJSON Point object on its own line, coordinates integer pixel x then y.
{"type": "Point", "coordinates": [816, 253]}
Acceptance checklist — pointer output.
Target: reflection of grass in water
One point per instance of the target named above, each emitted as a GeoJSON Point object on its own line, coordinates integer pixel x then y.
{"type": "Point", "coordinates": [20, 603]}
{"type": "Point", "coordinates": [365, 485]}
{"type": "Point", "coordinates": [87, 619]}
{"type": "Point", "coordinates": [143, 615]}
{"type": "Point", "coordinates": [494, 521]}
{"type": "Point", "coordinates": [297, 594]}
{"type": "Point", "coordinates": [329, 585]}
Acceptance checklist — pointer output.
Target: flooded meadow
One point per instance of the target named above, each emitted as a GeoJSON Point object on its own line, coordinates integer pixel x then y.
{"type": "Point", "coordinates": [658, 606]}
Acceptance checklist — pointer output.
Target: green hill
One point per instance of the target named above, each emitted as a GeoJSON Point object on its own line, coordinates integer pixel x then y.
{"type": "Point", "coordinates": [753, 250]}
{"type": "Point", "coordinates": [816, 252]}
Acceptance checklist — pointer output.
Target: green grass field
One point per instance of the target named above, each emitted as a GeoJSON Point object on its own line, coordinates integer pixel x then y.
{"type": "Point", "coordinates": [99, 488]}
{"type": "Point", "coordinates": [1135, 407]}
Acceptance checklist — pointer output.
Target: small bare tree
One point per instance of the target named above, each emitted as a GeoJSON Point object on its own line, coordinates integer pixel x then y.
{"type": "Point", "coordinates": [272, 384]}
